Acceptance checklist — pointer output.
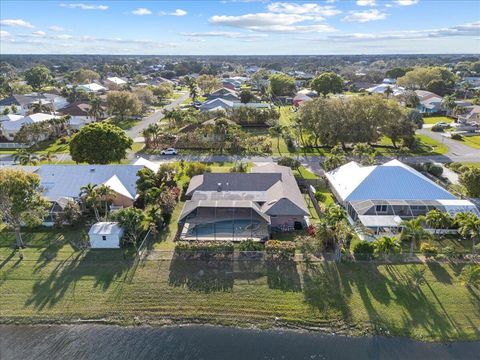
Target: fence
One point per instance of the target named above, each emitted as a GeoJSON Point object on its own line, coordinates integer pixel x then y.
{"type": "Point", "coordinates": [144, 243]}
{"type": "Point", "coordinates": [13, 146]}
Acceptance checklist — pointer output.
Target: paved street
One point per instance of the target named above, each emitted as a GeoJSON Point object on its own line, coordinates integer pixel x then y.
{"type": "Point", "coordinates": [455, 148]}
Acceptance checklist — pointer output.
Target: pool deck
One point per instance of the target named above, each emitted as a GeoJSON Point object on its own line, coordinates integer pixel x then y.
{"type": "Point", "coordinates": [261, 234]}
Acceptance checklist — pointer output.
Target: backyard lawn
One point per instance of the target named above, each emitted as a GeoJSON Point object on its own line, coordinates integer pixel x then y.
{"type": "Point", "coordinates": [56, 283]}
{"type": "Point", "coordinates": [472, 141]}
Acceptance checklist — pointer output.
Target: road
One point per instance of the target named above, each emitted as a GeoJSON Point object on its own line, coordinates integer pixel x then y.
{"type": "Point", "coordinates": [136, 131]}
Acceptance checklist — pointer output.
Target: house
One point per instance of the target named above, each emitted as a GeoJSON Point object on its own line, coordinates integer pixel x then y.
{"type": "Point", "coordinates": [389, 81]}
{"type": "Point", "coordinates": [381, 88]}
{"type": "Point", "coordinates": [251, 105]}
{"type": "Point", "coordinates": [114, 82]}
{"type": "Point", "coordinates": [225, 94]}
{"type": "Point", "coordinates": [429, 102]}
{"type": "Point", "coordinates": [472, 115]}
{"type": "Point", "coordinates": [105, 235]}
{"type": "Point", "coordinates": [300, 98]}
{"type": "Point", "coordinates": [10, 128]}
{"type": "Point", "coordinates": [380, 197]}
{"type": "Point", "coordinates": [216, 103]}
{"type": "Point", "coordinates": [79, 112]}
{"type": "Point", "coordinates": [239, 206]}
{"type": "Point", "coordinates": [63, 183]}
{"type": "Point", "coordinates": [21, 102]}
{"type": "Point", "coordinates": [92, 88]}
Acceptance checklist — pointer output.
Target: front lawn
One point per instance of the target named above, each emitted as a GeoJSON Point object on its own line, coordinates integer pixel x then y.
{"type": "Point", "coordinates": [435, 119]}
{"type": "Point", "coordinates": [472, 141]}
{"type": "Point", "coordinates": [56, 283]}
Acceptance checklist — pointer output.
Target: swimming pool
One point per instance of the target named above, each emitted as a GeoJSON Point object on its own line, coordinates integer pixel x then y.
{"type": "Point", "coordinates": [224, 227]}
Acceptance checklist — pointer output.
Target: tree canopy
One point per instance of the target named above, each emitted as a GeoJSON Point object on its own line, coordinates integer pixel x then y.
{"type": "Point", "coordinates": [123, 103]}
{"type": "Point", "coordinates": [37, 77]}
{"type": "Point", "coordinates": [100, 143]}
{"type": "Point", "coordinates": [281, 85]}
{"type": "Point", "coordinates": [327, 83]}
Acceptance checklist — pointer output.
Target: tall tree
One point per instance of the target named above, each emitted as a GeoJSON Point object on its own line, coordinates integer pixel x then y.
{"type": "Point", "coordinates": [21, 202]}
{"type": "Point", "coordinates": [123, 103]}
{"type": "Point", "coordinates": [100, 143]}
{"type": "Point", "coordinates": [38, 76]}
{"type": "Point", "coordinates": [469, 226]}
{"type": "Point", "coordinates": [327, 83]}
{"type": "Point", "coordinates": [470, 180]}
{"type": "Point", "coordinates": [281, 85]}
{"type": "Point", "coordinates": [413, 232]}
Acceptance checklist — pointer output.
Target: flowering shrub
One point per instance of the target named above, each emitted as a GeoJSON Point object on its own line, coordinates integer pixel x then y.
{"type": "Point", "coordinates": [280, 249]}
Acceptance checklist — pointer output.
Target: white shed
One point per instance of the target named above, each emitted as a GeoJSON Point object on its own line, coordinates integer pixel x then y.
{"type": "Point", "coordinates": [105, 235]}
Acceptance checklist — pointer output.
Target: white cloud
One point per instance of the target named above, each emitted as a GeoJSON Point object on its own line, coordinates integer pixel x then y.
{"type": "Point", "coordinates": [4, 34]}
{"type": "Point", "coordinates": [85, 6]}
{"type": "Point", "coordinates": [366, 2]}
{"type": "Point", "coordinates": [178, 12]}
{"type": "Point", "coordinates": [16, 22]}
{"type": "Point", "coordinates": [469, 29]}
{"type": "Point", "coordinates": [365, 16]}
{"type": "Point", "coordinates": [39, 33]}
{"type": "Point", "coordinates": [56, 28]}
{"type": "Point", "coordinates": [307, 8]}
{"type": "Point", "coordinates": [63, 37]}
{"type": "Point", "coordinates": [406, 2]}
{"type": "Point", "coordinates": [141, 11]}
{"type": "Point", "coordinates": [226, 34]}
{"type": "Point", "coordinates": [272, 22]}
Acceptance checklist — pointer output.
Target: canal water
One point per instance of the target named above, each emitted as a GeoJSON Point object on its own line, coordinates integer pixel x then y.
{"type": "Point", "coordinates": [210, 342]}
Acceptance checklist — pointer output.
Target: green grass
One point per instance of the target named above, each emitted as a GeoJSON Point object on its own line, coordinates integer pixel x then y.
{"type": "Point", "coordinates": [55, 283]}
{"type": "Point", "coordinates": [306, 174]}
{"type": "Point", "coordinates": [54, 146]}
{"type": "Point", "coordinates": [472, 141]}
{"type": "Point", "coordinates": [472, 164]}
{"type": "Point", "coordinates": [435, 119]}
{"type": "Point", "coordinates": [286, 115]}
{"type": "Point", "coordinates": [125, 124]}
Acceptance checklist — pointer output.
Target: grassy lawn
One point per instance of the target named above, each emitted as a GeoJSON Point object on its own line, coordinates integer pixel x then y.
{"type": "Point", "coordinates": [125, 124]}
{"type": "Point", "coordinates": [435, 119]}
{"type": "Point", "coordinates": [54, 282]}
{"type": "Point", "coordinates": [55, 146]}
{"type": "Point", "coordinates": [472, 141]}
{"type": "Point", "coordinates": [306, 174]}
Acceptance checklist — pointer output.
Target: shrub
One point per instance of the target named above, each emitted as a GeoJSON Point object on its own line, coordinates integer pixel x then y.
{"type": "Point", "coordinates": [239, 167]}
{"type": "Point", "coordinates": [250, 245]}
{"type": "Point", "coordinates": [280, 249]}
{"type": "Point", "coordinates": [290, 162]}
{"type": "Point", "coordinates": [456, 137]}
{"type": "Point", "coordinates": [197, 169]}
{"type": "Point", "coordinates": [63, 140]}
{"type": "Point", "coordinates": [363, 250]}
{"type": "Point", "coordinates": [435, 170]}
{"type": "Point", "coordinates": [319, 196]}
{"type": "Point", "coordinates": [428, 250]}
{"type": "Point", "coordinates": [436, 128]}
{"type": "Point", "coordinates": [203, 249]}
{"type": "Point", "coordinates": [449, 252]}
{"type": "Point", "coordinates": [455, 166]}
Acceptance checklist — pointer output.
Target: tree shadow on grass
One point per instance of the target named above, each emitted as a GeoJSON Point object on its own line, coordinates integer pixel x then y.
{"type": "Point", "coordinates": [202, 275]}
{"type": "Point", "coordinates": [104, 266]}
{"type": "Point", "coordinates": [282, 274]}
{"type": "Point", "coordinates": [440, 273]}
{"type": "Point", "coordinates": [324, 290]}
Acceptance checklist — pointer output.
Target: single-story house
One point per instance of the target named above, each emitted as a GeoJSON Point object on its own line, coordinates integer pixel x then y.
{"type": "Point", "coordinates": [92, 88]}
{"type": "Point", "coordinates": [380, 197]}
{"type": "Point", "coordinates": [105, 235]}
{"type": "Point", "coordinates": [21, 102]}
{"type": "Point", "coordinates": [429, 102]}
{"type": "Point", "coordinates": [10, 128]}
{"type": "Point", "coordinates": [225, 94]}
{"type": "Point", "coordinates": [114, 82]}
{"type": "Point", "coordinates": [300, 98]}
{"type": "Point", "coordinates": [239, 206]}
{"type": "Point", "coordinates": [472, 116]}
{"type": "Point", "coordinates": [79, 114]}
{"type": "Point", "coordinates": [381, 88]}
{"type": "Point", "coordinates": [62, 183]}
{"type": "Point", "coordinates": [216, 103]}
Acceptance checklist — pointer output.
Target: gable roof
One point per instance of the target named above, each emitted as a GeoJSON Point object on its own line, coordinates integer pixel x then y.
{"type": "Point", "coordinates": [391, 181]}
{"type": "Point", "coordinates": [77, 108]}
{"type": "Point", "coordinates": [21, 100]}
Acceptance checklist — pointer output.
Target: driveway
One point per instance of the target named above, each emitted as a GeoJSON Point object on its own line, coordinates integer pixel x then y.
{"type": "Point", "coordinates": [136, 131]}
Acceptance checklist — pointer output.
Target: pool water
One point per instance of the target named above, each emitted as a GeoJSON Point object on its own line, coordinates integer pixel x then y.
{"type": "Point", "coordinates": [224, 227]}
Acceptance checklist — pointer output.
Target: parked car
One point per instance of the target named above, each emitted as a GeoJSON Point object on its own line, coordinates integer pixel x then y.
{"type": "Point", "coordinates": [442, 124]}
{"type": "Point", "coordinates": [169, 151]}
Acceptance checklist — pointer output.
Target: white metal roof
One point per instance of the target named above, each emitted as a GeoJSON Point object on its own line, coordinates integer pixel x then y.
{"type": "Point", "coordinates": [105, 228]}
{"type": "Point", "coordinates": [147, 163]}
{"type": "Point", "coordinates": [391, 181]}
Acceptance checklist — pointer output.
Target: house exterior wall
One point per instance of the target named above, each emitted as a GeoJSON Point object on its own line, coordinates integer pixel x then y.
{"type": "Point", "coordinates": [286, 221]}
{"type": "Point", "coordinates": [112, 241]}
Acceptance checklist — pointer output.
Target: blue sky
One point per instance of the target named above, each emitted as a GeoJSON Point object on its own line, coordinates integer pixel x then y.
{"type": "Point", "coordinates": [240, 27]}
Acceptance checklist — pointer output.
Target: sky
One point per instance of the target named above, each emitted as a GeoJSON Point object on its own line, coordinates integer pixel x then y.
{"type": "Point", "coordinates": [240, 27]}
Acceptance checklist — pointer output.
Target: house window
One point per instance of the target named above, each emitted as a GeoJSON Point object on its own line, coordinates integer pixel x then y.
{"type": "Point", "coordinates": [381, 208]}
{"type": "Point", "coordinates": [104, 238]}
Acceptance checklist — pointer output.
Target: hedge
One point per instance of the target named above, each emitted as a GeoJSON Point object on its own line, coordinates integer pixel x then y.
{"type": "Point", "coordinates": [282, 249]}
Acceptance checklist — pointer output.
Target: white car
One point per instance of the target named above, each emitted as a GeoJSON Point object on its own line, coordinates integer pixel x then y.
{"type": "Point", "coordinates": [169, 151]}
{"type": "Point", "coordinates": [442, 124]}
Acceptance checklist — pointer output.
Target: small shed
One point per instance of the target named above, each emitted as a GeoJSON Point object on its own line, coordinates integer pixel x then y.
{"type": "Point", "coordinates": [105, 235]}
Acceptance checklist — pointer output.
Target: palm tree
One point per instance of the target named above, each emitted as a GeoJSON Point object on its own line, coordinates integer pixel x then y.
{"type": "Point", "coordinates": [49, 156]}
{"type": "Point", "coordinates": [39, 107]}
{"type": "Point", "coordinates": [25, 157]}
{"type": "Point", "coordinates": [414, 232]}
{"type": "Point", "coordinates": [388, 91]}
{"type": "Point", "coordinates": [469, 226]}
{"type": "Point", "coordinates": [276, 131]}
{"type": "Point", "coordinates": [449, 104]}
{"type": "Point", "coordinates": [387, 245]}
{"type": "Point", "coordinates": [220, 131]}
{"type": "Point", "coordinates": [96, 109]}
{"type": "Point", "coordinates": [105, 193]}
{"type": "Point", "coordinates": [90, 196]}
{"type": "Point", "coordinates": [471, 275]}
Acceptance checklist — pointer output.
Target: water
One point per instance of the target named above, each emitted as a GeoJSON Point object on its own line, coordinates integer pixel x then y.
{"type": "Point", "coordinates": [210, 343]}
{"type": "Point", "coordinates": [224, 227]}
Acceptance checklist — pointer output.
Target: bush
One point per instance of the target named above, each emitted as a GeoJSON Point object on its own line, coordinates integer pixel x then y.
{"type": "Point", "coordinates": [319, 196]}
{"type": "Point", "coordinates": [290, 162]}
{"type": "Point", "coordinates": [239, 167]}
{"type": "Point", "coordinates": [435, 170]}
{"type": "Point", "coordinates": [63, 140]}
{"type": "Point", "coordinates": [428, 250]}
{"type": "Point", "coordinates": [436, 128]}
{"type": "Point", "coordinates": [363, 250]}
{"type": "Point", "coordinates": [280, 249]}
{"type": "Point", "coordinates": [203, 249]}
{"type": "Point", "coordinates": [197, 169]}
{"type": "Point", "coordinates": [250, 245]}
{"type": "Point", "coordinates": [454, 166]}
{"type": "Point", "coordinates": [456, 137]}
{"type": "Point", "coordinates": [449, 252]}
